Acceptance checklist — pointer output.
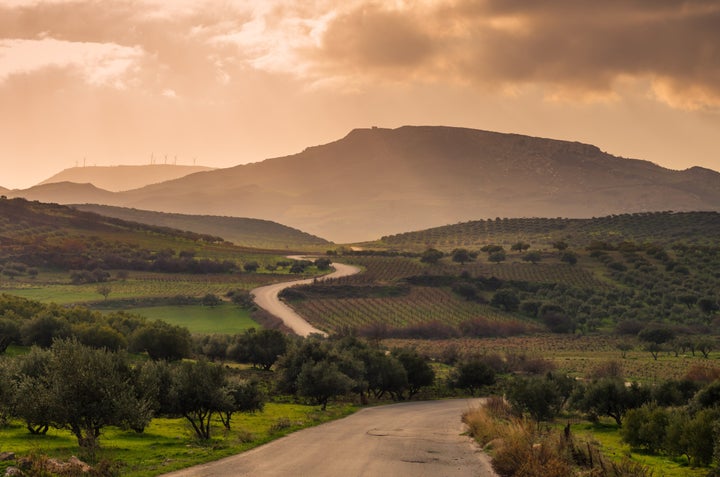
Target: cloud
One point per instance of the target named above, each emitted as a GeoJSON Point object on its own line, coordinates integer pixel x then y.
{"type": "Point", "coordinates": [98, 63]}
{"type": "Point", "coordinates": [572, 50]}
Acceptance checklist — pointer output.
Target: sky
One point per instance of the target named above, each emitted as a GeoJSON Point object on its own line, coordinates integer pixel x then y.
{"type": "Point", "coordinates": [221, 83]}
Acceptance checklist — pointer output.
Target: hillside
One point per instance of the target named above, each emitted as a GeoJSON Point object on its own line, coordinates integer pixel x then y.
{"type": "Point", "coordinates": [241, 231]}
{"type": "Point", "coordinates": [376, 182]}
{"type": "Point", "coordinates": [654, 227]}
{"type": "Point", "coordinates": [119, 178]}
{"type": "Point", "coordinates": [60, 238]}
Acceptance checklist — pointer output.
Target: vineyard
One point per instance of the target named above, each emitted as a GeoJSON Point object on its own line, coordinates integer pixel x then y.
{"type": "Point", "coordinates": [420, 305]}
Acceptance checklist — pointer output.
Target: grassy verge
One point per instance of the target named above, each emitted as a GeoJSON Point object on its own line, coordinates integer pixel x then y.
{"type": "Point", "coordinates": [608, 438]}
{"type": "Point", "coordinates": [168, 444]}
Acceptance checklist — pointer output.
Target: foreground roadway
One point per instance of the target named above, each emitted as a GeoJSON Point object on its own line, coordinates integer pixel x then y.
{"type": "Point", "coordinates": [418, 439]}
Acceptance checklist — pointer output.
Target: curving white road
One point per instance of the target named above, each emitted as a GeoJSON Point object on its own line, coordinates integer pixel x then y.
{"type": "Point", "coordinates": [266, 297]}
{"type": "Point", "coordinates": [418, 439]}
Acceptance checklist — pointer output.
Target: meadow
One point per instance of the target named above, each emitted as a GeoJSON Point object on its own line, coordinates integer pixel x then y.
{"type": "Point", "coordinates": [168, 444]}
{"type": "Point", "coordinates": [198, 319]}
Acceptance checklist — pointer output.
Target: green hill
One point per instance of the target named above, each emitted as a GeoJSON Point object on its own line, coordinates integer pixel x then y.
{"type": "Point", "coordinates": [541, 233]}
{"type": "Point", "coordinates": [51, 236]}
{"type": "Point", "coordinates": [244, 232]}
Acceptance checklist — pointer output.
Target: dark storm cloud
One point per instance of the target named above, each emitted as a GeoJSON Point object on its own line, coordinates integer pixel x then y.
{"type": "Point", "coordinates": [578, 45]}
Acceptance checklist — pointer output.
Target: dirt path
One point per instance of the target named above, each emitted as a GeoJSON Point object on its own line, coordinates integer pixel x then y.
{"type": "Point", "coordinates": [419, 439]}
{"type": "Point", "coordinates": [267, 298]}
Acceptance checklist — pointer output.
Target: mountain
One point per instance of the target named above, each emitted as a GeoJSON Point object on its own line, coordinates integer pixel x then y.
{"type": "Point", "coordinates": [65, 193]}
{"type": "Point", "coordinates": [376, 182]}
{"type": "Point", "coordinates": [119, 178]}
{"type": "Point", "coordinates": [253, 233]}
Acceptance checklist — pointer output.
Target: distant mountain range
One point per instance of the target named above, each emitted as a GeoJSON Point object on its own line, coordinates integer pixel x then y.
{"type": "Point", "coordinates": [120, 178]}
{"type": "Point", "coordinates": [376, 182]}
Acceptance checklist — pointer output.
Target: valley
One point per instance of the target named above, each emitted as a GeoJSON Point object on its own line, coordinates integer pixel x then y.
{"type": "Point", "coordinates": [571, 297]}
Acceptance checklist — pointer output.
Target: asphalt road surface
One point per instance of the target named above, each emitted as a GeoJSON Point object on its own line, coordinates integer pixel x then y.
{"type": "Point", "coordinates": [267, 298]}
{"type": "Point", "coordinates": [417, 439]}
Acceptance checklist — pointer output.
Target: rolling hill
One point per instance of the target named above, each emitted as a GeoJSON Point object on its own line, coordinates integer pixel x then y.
{"type": "Point", "coordinates": [241, 231]}
{"type": "Point", "coordinates": [119, 178]}
{"type": "Point", "coordinates": [659, 228]}
{"type": "Point", "coordinates": [376, 182]}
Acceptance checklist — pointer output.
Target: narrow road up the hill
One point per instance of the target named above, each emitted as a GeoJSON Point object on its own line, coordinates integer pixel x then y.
{"type": "Point", "coordinates": [419, 439]}
{"type": "Point", "coordinates": [267, 298]}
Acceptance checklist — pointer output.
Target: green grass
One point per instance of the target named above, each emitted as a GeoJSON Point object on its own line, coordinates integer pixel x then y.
{"type": "Point", "coordinates": [224, 319]}
{"type": "Point", "coordinates": [611, 445]}
{"type": "Point", "coordinates": [169, 444]}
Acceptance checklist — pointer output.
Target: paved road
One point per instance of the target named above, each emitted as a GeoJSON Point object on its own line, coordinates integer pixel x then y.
{"type": "Point", "coordinates": [267, 298]}
{"type": "Point", "coordinates": [419, 439]}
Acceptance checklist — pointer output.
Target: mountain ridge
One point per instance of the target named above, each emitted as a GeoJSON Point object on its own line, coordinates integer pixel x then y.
{"type": "Point", "coordinates": [244, 232]}
{"type": "Point", "coordinates": [377, 181]}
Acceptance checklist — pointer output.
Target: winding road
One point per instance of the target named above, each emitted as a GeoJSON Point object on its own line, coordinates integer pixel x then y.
{"type": "Point", "coordinates": [267, 298]}
{"type": "Point", "coordinates": [419, 439]}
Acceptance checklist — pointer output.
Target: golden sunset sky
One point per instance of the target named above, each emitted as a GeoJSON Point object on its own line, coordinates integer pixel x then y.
{"type": "Point", "coordinates": [229, 82]}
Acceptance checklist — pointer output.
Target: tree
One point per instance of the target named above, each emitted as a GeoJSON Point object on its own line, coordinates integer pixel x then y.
{"type": "Point", "coordinates": [539, 397]}
{"type": "Point", "coordinates": [519, 246]}
{"type": "Point", "coordinates": [43, 329]}
{"type": "Point", "coordinates": [197, 391]}
{"type": "Point", "coordinates": [466, 290]}
{"type": "Point", "coordinates": [419, 372]}
{"type": "Point", "coordinates": [705, 346]}
{"type": "Point", "coordinates": [624, 347]}
{"type": "Point", "coordinates": [497, 257]}
{"type": "Point", "coordinates": [321, 381]}
{"type": "Point", "coordinates": [9, 333]}
{"type": "Point", "coordinates": [384, 374]}
{"type": "Point", "coordinates": [30, 380]}
{"type": "Point", "coordinates": [91, 389]}
{"type": "Point", "coordinates": [431, 256]}
{"type": "Point", "coordinates": [251, 266]}
{"type": "Point", "coordinates": [259, 348]}
{"type": "Point", "coordinates": [491, 248]}
{"type": "Point", "coordinates": [161, 340]}
{"type": "Point", "coordinates": [104, 290]}
{"type": "Point", "coordinates": [532, 257]}
{"type": "Point", "coordinates": [473, 375]}
{"type": "Point", "coordinates": [98, 335]}
{"type": "Point", "coordinates": [8, 391]}
{"type": "Point", "coordinates": [646, 427]}
{"type": "Point", "coordinates": [244, 396]}
{"type": "Point", "coordinates": [462, 256]}
{"type": "Point", "coordinates": [610, 397]}
{"type": "Point", "coordinates": [505, 299]}
{"type": "Point", "coordinates": [323, 263]}
{"type": "Point", "coordinates": [241, 298]}
{"type": "Point", "coordinates": [211, 300]}
{"type": "Point", "coordinates": [560, 245]}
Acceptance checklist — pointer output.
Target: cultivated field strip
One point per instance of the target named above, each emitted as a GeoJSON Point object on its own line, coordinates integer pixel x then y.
{"type": "Point", "coordinates": [420, 305]}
